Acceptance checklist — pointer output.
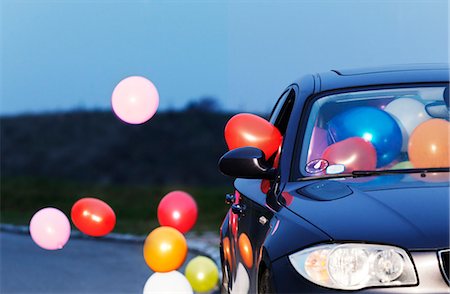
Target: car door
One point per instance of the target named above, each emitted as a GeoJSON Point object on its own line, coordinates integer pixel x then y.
{"type": "Point", "coordinates": [254, 207]}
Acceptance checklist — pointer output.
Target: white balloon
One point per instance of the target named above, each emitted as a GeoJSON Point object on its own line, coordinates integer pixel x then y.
{"type": "Point", "coordinates": [170, 282]}
{"type": "Point", "coordinates": [408, 113]}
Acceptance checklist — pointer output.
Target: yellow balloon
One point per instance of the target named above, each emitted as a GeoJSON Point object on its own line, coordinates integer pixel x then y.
{"type": "Point", "coordinates": [202, 274]}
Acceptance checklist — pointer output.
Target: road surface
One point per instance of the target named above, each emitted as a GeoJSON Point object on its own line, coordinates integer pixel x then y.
{"type": "Point", "coordinates": [82, 266]}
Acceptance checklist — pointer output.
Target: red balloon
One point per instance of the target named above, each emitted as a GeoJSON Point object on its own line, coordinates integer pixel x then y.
{"type": "Point", "coordinates": [354, 153]}
{"type": "Point", "coordinates": [247, 129]}
{"type": "Point", "coordinates": [178, 210]}
{"type": "Point", "coordinates": [93, 217]}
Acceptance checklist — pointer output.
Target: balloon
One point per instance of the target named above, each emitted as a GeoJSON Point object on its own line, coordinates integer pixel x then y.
{"type": "Point", "coordinates": [354, 153]}
{"type": "Point", "coordinates": [245, 249]}
{"type": "Point", "coordinates": [165, 249]}
{"type": "Point", "coordinates": [93, 217]}
{"type": "Point", "coordinates": [409, 113]}
{"type": "Point", "coordinates": [429, 144]}
{"type": "Point", "coordinates": [135, 100]}
{"type": "Point", "coordinates": [202, 274]}
{"type": "Point", "coordinates": [178, 210]}
{"type": "Point", "coordinates": [50, 228]}
{"type": "Point", "coordinates": [403, 165]}
{"type": "Point", "coordinates": [318, 143]}
{"type": "Point", "coordinates": [373, 125]}
{"type": "Point", "coordinates": [247, 129]}
{"type": "Point", "coordinates": [170, 282]}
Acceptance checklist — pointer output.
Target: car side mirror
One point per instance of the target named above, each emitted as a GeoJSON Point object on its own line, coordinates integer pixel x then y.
{"type": "Point", "coordinates": [247, 163]}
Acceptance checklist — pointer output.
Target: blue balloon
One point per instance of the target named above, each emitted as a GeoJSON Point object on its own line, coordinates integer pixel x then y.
{"type": "Point", "coordinates": [373, 125]}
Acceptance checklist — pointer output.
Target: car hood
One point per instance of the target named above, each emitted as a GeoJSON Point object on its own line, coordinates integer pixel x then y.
{"type": "Point", "coordinates": [412, 216]}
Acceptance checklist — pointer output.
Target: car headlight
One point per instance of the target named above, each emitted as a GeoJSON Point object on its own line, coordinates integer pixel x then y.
{"type": "Point", "coordinates": [353, 266]}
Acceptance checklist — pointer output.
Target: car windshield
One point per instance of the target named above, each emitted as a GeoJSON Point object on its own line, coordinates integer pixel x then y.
{"type": "Point", "coordinates": [383, 129]}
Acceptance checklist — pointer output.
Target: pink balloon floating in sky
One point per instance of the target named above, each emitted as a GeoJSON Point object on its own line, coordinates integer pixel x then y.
{"type": "Point", "coordinates": [50, 228]}
{"type": "Point", "coordinates": [135, 100]}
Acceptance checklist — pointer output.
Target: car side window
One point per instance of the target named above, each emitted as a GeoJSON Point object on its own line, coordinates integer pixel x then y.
{"type": "Point", "coordinates": [280, 117]}
{"type": "Point", "coordinates": [278, 106]}
{"type": "Point", "coordinates": [282, 111]}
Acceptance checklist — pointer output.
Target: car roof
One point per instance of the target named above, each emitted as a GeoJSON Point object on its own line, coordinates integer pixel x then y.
{"type": "Point", "coordinates": [387, 75]}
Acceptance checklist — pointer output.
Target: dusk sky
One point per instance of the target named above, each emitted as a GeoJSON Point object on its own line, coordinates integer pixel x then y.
{"type": "Point", "coordinates": [61, 55]}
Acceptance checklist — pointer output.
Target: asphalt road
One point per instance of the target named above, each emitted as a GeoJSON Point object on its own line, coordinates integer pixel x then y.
{"type": "Point", "coordinates": [83, 266]}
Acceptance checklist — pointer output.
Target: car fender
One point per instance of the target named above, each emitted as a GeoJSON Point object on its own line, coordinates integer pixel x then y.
{"type": "Point", "coordinates": [289, 233]}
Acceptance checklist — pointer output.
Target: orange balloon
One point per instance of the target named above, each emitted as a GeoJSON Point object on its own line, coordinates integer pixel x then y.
{"type": "Point", "coordinates": [245, 249]}
{"type": "Point", "coordinates": [247, 129]}
{"type": "Point", "coordinates": [428, 144]}
{"type": "Point", "coordinates": [165, 249]}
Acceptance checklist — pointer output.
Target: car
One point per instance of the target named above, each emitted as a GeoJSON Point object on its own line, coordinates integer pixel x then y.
{"type": "Point", "coordinates": [358, 199]}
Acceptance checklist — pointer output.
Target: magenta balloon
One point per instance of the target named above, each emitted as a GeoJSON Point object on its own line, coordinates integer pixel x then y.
{"type": "Point", "coordinates": [318, 143]}
{"type": "Point", "coordinates": [50, 228]}
{"type": "Point", "coordinates": [135, 100]}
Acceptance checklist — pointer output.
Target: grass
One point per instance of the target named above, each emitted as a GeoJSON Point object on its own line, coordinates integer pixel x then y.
{"type": "Point", "coordinates": [135, 205]}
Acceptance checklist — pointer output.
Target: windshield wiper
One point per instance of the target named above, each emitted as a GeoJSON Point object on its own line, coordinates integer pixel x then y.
{"type": "Point", "coordinates": [369, 173]}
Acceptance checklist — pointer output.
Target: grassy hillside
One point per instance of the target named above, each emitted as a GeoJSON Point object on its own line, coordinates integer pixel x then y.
{"type": "Point", "coordinates": [135, 205]}
{"type": "Point", "coordinates": [172, 148]}
{"type": "Point", "coordinates": [55, 159]}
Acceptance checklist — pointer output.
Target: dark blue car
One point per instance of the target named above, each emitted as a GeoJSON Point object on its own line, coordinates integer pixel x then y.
{"type": "Point", "coordinates": [359, 198]}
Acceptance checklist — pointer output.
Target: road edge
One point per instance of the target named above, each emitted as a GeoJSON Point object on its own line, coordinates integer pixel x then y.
{"type": "Point", "coordinates": [194, 243]}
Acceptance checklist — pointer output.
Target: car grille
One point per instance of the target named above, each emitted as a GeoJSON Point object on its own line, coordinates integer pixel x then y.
{"type": "Point", "coordinates": [444, 260]}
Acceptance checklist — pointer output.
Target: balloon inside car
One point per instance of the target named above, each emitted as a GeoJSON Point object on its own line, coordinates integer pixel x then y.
{"type": "Point", "coordinates": [353, 153]}
{"type": "Point", "coordinates": [428, 144]}
{"type": "Point", "coordinates": [373, 125]}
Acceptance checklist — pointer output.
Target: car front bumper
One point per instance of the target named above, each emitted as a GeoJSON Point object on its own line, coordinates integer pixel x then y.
{"type": "Point", "coordinates": [286, 279]}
